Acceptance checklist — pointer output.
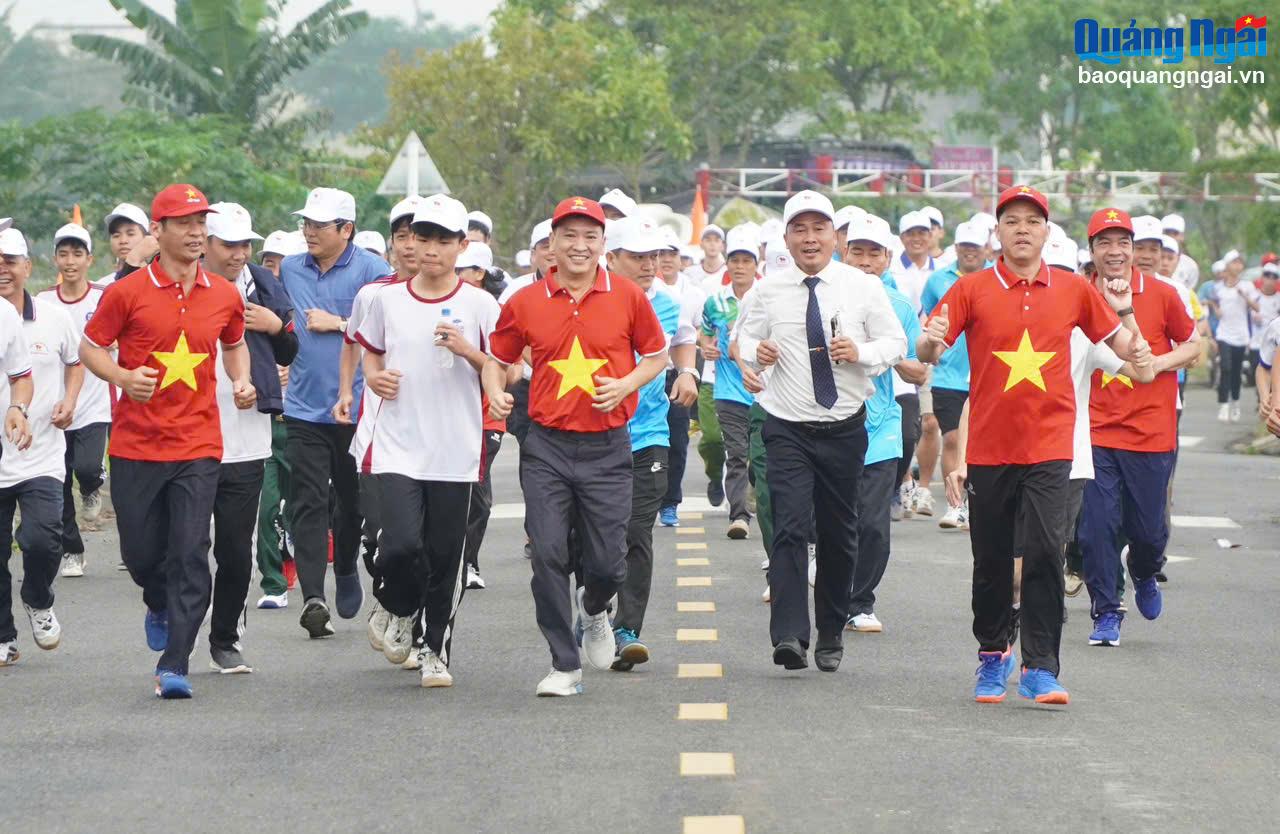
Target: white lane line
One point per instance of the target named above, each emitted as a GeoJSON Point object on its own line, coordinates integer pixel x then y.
{"type": "Point", "coordinates": [1205, 522]}
{"type": "Point", "coordinates": [1189, 441]}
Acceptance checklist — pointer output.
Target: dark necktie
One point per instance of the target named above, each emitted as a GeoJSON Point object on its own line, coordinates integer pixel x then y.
{"type": "Point", "coordinates": [824, 381]}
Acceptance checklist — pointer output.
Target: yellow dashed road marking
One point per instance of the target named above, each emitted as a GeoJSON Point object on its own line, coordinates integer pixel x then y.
{"type": "Point", "coordinates": [691, 545]}
{"type": "Point", "coordinates": [714, 825]}
{"type": "Point", "coordinates": [693, 562]}
{"type": "Point", "coordinates": [697, 635]}
{"type": "Point", "coordinates": [691, 531]}
{"type": "Point", "coordinates": [703, 712]}
{"type": "Point", "coordinates": [699, 670]}
{"type": "Point", "coordinates": [686, 607]}
{"type": "Point", "coordinates": [706, 764]}
{"type": "Point", "coordinates": [691, 516]}
{"type": "Point", "coordinates": [693, 582]}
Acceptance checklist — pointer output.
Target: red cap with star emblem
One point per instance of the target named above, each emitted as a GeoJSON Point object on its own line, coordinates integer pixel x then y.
{"type": "Point", "coordinates": [577, 207]}
{"type": "Point", "coordinates": [178, 200]}
{"type": "Point", "coordinates": [1109, 218]}
{"type": "Point", "coordinates": [1023, 192]}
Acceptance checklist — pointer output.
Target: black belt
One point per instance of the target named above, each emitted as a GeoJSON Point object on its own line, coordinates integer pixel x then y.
{"type": "Point", "coordinates": [823, 426]}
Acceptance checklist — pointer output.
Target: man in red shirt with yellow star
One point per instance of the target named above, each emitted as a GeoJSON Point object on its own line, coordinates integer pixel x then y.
{"type": "Point", "coordinates": [1018, 317]}
{"type": "Point", "coordinates": [593, 341]}
{"type": "Point", "coordinates": [168, 318]}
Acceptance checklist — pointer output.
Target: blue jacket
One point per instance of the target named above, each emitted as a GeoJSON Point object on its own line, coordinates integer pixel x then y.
{"type": "Point", "coordinates": [266, 352]}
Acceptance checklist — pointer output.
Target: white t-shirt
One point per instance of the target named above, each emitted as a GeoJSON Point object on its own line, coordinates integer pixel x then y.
{"type": "Point", "coordinates": [432, 430]}
{"type": "Point", "coordinates": [708, 282]}
{"type": "Point", "coordinates": [370, 401]}
{"type": "Point", "coordinates": [1233, 312]}
{"type": "Point", "coordinates": [94, 403]}
{"type": "Point", "coordinates": [911, 278]}
{"type": "Point", "coordinates": [1268, 311]}
{"type": "Point", "coordinates": [515, 285]}
{"type": "Point", "coordinates": [246, 433]}
{"type": "Point", "coordinates": [53, 345]}
{"type": "Point", "coordinates": [1187, 272]}
{"type": "Point", "coordinates": [1086, 357]}
{"type": "Point", "coordinates": [1270, 349]}
{"type": "Point", "coordinates": [14, 355]}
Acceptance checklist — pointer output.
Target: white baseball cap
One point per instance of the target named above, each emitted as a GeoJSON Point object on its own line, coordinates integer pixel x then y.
{"type": "Point", "coordinates": [712, 229]}
{"type": "Point", "coordinates": [540, 232]}
{"type": "Point", "coordinates": [476, 254]}
{"type": "Point", "coordinates": [1146, 227]}
{"type": "Point", "coordinates": [13, 244]}
{"type": "Point", "coordinates": [284, 243]}
{"type": "Point", "coordinates": [744, 238]}
{"type": "Point", "coordinates": [670, 239]}
{"type": "Point", "coordinates": [404, 208]}
{"type": "Point", "coordinates": [934, 215]}
{"type": "Point", "coordinates": [618, 199]}
{"type": "Point", "coordinates": [1173, 223]}
{"type": "Point", "coordinates": [72, 231]}
{"type": "Point", "coordinates": [1169, 243]}
{"type": "Point", "coordinates": [692, 251]}
{"type": "Point", "coordinates": [129, 212]}
{"type": "Point", "coordinates": [634, 234]}
{"type": "Point", "coordinates": [1271, 269]}
{"type": "Point", "coordinates": [972, 233]}
{"type": "Point", "coordinates": [807, 201]}
{"type": "Point", "coordinates": [524, 258]}
{"type": "Point", "coordinates": [1218, 266]}
{"type": "Point", "coordinates": [1083, 256]}
{"type": "Point", "coordinates": [871, 229]}
{"type": "Point", "coordinates": [772, 229]}
{"type": "Point", "coordinates": [1060, 253]}
{"type": "Point", "coordinates": [444, 211]}
{"type": "Point", "coordinates": [984, 219]}
{"type": "Point", "coordinates": [913, 220]}
{"type": "Point", "coordinates": [776, 256]}
{"type": "Point", "coordinates": [325, 205]}
{"type": "Point", "coordinates": [1233, 255]}
{"type": "Point", "coordinates": [230, 222]}
{"type": "Point", "coordinates": [847, 214]}
{"type": "Point", "coordinates": [481, 218]}
{"type": "Point", "coordinates": [371, 240]}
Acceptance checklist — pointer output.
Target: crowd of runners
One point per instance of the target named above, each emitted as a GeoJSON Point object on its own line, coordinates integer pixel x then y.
{"type": "Point", "coordinates": [333, 396]}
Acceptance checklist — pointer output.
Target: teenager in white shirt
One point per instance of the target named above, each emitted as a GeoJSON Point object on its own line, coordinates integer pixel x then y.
{"type": "Point", "coordinates": [424, 343]}
{"type": "Point", "coordinates": [1232, 301]}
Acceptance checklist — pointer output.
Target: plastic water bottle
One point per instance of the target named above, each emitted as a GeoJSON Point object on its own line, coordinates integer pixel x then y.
{"type": "Point", "coordinates": [444, 356]}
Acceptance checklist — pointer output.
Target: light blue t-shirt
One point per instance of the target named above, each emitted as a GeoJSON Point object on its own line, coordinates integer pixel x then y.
{"type": "Point", "coordinates": [718, 318]}
{"type": "Point", "coordinates": [648, 426]}
{"type": "Point", "coordinates": [952, 370]}
{"type": "Point", "coordinates": [313, 376]}
{"type": "Point", "coordinates": [884, 415]}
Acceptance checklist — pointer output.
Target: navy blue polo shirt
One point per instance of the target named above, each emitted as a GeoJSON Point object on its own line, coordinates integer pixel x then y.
{"type": "Point", "coordinates": [313, 376]}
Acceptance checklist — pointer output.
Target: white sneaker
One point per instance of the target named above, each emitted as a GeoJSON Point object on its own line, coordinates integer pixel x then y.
{"type": "Point", "coordinates": [765, 564]}
{"type": "Point", "coordinates": [91, 507]}
{"type": "Point", "coordinates": [379, 619]}
{"type": "Point", "coordinates": [597, 636]}
{"type": "Point", "coordinates": [905, 492]}
{"type": "Point", "coordinates": [397, 640]}
{"type": "Point", "coordinates": [1224, 413]}
{"type": "Point", "coordinates": [1235, 412]}
{"type": "Point", "coordinates": [44, 627]}
{"type": "Point", "coordinates": [813, 570]}
{"type": "Point", "coordinates": [865, 624]}
{"type": "Point", "coordinates": [951, 518]}
{"type": "Point", "coordinates": [765, 596]}
{"type": "Point", "coordinates": [475, 582]}
{"type": "Point", "coordinates": [414, 663]}
{"type": "Point", "coordinates": [72, 565]}
{"type": "Point", "coordinates": [9, 654]}
{"type": "Point", "coordinates": [922, 501]}
{"type": "Point", "coordinates": [561, 684]}
{"type": "Point", "coordinates": [268, 602]}
{"type": "Point", "coordinates": [434, 672]}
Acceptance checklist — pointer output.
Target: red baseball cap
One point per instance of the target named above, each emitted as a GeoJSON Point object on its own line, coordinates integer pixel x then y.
{"type": "Point", "coordinates": [1023, 192]}
{"type": "Point", "coordinates": [1270, 258]}
{"type": "Point", "coordinates": [577, 207]}
{"type": "Point", "coordinates": [1109, 218]}
{"type": "Point", "coordinates": [178, 200]}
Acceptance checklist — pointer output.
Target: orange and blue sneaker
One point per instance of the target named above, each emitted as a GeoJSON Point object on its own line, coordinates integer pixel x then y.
{"type": "Point", "coordinates": [1041, 686]}
{"type": "Point", "coordinates": [992, 674]}
{"type": "Point", "coordinates": [1010, 661]}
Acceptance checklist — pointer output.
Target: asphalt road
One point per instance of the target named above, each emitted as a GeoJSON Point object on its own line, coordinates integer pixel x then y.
{"type": "Point", "coordinates": [1174, 731]}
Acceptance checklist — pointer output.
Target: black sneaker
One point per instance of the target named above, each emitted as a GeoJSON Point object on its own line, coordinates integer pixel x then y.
{"type": "Point", "coordinates": [228, 661]}
{"type": "Point", "coordinates": [315, 619]}
{"type": "Point", "coordinates": [1160, 577]}
{"type": "Point", "coordinates": [789, 654]}
{"type": "Point", "coordinates": [715, 493]}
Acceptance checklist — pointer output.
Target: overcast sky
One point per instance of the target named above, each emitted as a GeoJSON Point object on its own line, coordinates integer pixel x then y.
{"type": "Point", "coordinates": [27, 13]}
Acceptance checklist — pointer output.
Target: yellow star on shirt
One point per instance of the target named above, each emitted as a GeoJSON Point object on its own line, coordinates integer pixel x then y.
{"type": "Point", "coordinates": [1024, 363]}
{"type": "Point", "coordinates": [180, 364]}
{"type": "Point", "coordinates": [1107, 379]}
{"type": "Point", "coordinates": [576, 370]}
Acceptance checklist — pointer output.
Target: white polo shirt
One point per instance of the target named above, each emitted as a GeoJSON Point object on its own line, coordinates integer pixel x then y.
{"type": "Point", "coordinates": [53, 345]}
{"type": "Point", "coordinates": [246, 433]}
{"type": "Point", "coordinates": [1233, 312]}
{"type": "Point", "coordinates": [911, 278]}
{"type": "Point", "coordinates": [1086, 357]}
{"type": "Point", "coordinates": [94, 404]}
{"type": "Point", "coordinates": [1268, 311]}
{"type": "Point", "coordinates": [370, 402]}
{"type": "Point", "coordinates": [14, 356]}
{"type": "Point", "coordinates": [432, 430]}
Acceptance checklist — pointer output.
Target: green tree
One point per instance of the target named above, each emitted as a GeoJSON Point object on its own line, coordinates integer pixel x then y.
{"type": "Point", "coordinates": [223, 57]}
{"type": "Point", "coordinates": [42, 78]}
{"type": "Point", "coordinates": [511, 120]}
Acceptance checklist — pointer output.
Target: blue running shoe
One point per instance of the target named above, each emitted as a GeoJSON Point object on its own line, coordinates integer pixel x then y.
{"type": "Point", "coordinates": [1010, 661]}
{"type": "Point", "coordinates": [1042, 686]}
{"type": "Point", "coordinates": [1106, 629]}
{"type": "Point", "coordinates": [630, 650]}
{"type": "Point", "coordinates": [668, 518]}
{"type": "Point", "coordinates": [1146, 593]}
{"type": "Point", "coordinates": [172, 686]}
{"type": "Point", "coordinates": [157, 627]}
{"type": "Point", "coordinates": [990, 688]}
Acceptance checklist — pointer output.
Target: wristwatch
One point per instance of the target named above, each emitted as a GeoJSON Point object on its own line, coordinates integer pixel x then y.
{"type": "Point", "coordinates": [693, 371]}
{"type": "Point", "coordinates": [1127, 311]}
{"type": "Point", "coordinates": [20, 407]}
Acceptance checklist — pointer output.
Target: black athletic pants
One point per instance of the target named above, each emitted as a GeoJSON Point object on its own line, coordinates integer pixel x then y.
{"type": "Point", "coordinates": [317, 454]}
{"type": "Point", "coordinates": [235, 518]}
